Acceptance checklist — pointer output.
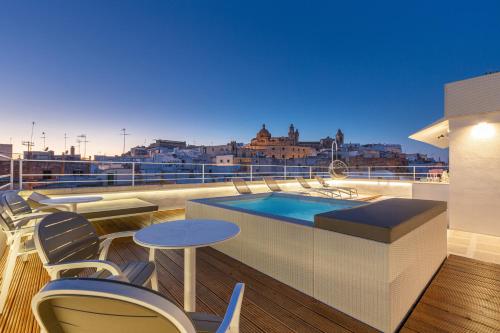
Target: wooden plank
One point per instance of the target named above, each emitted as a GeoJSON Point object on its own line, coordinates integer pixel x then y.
{"type": "Point", "coordinates": [464, 296]}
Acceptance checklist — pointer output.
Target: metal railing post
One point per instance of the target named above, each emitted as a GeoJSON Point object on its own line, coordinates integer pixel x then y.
{"type": "Point", "coordinates": [369, 172]}
{"type": "Point", "coordinates": [133, 174]}
{"type": "Point", "coordinates": [20, 175]}
{"type": "Point", "coordinates": [203, 173]}
{"type": "Point", "coordinates": [11, 174]}
{"type": "Point", "coordinates": [251, 172]}
{"type": "Point", "coordinates": [284, 172]}
{"type": "Point", "coordinates": [310, 172]}
{"type": "Point", "coordinates": [414, 174]}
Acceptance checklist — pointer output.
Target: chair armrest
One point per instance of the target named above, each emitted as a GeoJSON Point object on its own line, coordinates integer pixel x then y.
{"type": "Point", "coordinates": [231, 321]}
{"type": "Point", "coordinates": [21, 220]}
{"type": "Point", "coordinates": [59, 207]}
{"type": "Point", "coordinates": [55, 269]}
{"type": "Point", "coordinates": [105, 241]}
{"type": "Point", "coordinates": [21, 231]}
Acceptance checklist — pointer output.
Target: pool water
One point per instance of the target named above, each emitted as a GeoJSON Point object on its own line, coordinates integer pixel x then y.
{"type": "Point", "coordinates": [295, 207]}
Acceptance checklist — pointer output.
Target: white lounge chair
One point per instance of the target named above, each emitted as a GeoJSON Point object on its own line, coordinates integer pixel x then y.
{"type": "Point", "coordinates": [17, 223]}
{"type": "Point", "coordinates": [274, 187]}
{"type": "Point", "coordinates": [67, 243]}
{"type": "Point", "coordinates": [329, 192]}
{"type": "Point", "coordinates": [106, 306]}
{"type": "Point", "coordinates": [350, 191]}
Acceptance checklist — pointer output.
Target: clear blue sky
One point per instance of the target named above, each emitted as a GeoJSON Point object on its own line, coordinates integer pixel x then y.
{"type": "Point", "coordinates": [214, 71]}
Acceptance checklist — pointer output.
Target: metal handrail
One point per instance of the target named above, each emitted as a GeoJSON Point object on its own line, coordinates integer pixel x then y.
{"type": "Point", "coordinates": [200, 172]}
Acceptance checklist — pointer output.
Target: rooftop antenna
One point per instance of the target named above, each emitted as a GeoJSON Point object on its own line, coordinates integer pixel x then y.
{"type": "Point", "coordinates": [124, 133]}
{"type": "Point", "coordinates": [30, 143]}
{"type": "Point", "coordinates": [83, 139]}
{"type": "Point", "coordinates": [65, 139]}
{"type": "Point", "coordinates": [43, 137]}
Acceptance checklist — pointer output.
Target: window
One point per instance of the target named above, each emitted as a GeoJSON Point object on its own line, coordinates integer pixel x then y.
{"type": "Point", "coordinates": [46, 174]}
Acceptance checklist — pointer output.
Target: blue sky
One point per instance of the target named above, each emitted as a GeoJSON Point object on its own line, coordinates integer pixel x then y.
{"type": "Point", "coordinates": [214, 71]}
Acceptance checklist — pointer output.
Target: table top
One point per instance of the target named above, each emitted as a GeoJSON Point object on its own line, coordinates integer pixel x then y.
{"type": "Point", "coordinates": [186, 234]}
{"type": "Point", "coordinates": [70, 200]}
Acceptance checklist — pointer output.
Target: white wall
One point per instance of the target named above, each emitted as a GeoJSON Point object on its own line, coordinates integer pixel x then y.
{"type": "Point", "coordinates": [474, 203]}
{"type": "Point", "coordinates": [474, 193]}
{"type": "Point", "coordinates": [174, 196]}
{"type": "Point", "coordinates": [430, 191]}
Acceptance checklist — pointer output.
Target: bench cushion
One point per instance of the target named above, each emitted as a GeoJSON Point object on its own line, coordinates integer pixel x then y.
{"type": "Point", "coordinates": [111, 208]}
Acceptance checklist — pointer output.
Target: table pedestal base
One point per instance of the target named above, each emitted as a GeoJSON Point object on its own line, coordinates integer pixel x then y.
{"type": "Point", "coordinates": [190, 279]}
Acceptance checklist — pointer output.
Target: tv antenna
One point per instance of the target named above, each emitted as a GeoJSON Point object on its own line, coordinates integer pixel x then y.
{"type": "Point", "coordinates": [43, 137]}
{"type": "Point", "coordinates": [65, 139]}
{"type": "Point", "coordinates": [82, 138]}
{"type": "Point", "coordinates": [124, 133]}
{"type": "Point", "coordinates": [30, 143]}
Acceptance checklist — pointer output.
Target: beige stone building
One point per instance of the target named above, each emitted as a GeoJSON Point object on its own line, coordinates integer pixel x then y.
{"type": "Point", "coordinates": [282, 147]}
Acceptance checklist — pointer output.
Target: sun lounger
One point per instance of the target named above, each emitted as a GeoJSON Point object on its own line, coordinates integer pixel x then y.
{"type": "Point", "coordinates": [92, 305]}
{"type": "Point", "coordinates": [330, 192]}
{"type": "Point", "coordinates": [351, 191]}
{"type": "Point", "coordinates": [274, 187]}
{"type": "Point", "coordinates": [241, 186]}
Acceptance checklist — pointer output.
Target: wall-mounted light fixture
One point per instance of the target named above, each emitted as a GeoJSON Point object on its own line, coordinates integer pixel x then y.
{"type": "Point", "coordinates": [483, 130]}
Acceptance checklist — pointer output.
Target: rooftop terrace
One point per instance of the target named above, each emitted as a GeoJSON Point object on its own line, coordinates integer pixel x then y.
{"type": "Point", "coordinates": [463, 296]}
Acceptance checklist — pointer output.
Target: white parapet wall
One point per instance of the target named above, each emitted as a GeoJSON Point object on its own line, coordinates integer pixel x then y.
{"type": "Point", "coordinates": [374, 282]}
{"type": "Point", "coordinates": [174, 196]}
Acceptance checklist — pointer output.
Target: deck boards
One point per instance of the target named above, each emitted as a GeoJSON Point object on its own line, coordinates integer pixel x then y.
{"type": "Point", "coordinates": [463, 297]}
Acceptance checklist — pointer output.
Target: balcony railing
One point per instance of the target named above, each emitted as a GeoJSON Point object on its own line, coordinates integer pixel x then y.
{"type": "Point", "coordinates": [31, 174]}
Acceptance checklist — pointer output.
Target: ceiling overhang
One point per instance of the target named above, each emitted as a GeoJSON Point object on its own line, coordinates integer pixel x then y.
{"type": "Point", "coordinates": [435, 134]}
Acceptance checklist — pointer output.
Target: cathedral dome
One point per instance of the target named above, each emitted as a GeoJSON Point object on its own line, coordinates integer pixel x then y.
{"type": "Point", "coordinates": [263, 133]}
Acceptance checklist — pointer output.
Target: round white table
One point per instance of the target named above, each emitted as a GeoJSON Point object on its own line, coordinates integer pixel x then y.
{"type": "Point", "coordinates": [71, 201]}
{"type": "Point", "coordinates": [187, 235]}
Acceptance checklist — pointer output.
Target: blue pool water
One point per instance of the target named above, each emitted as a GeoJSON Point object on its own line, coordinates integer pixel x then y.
{"type": "Point", "coordinates": [295, 207]}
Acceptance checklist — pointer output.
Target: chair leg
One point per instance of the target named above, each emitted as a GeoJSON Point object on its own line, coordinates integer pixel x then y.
{"type": "Point", "coordinates": [8, 272]}
{"type": "Point", "coordinates": [154, 277]}
{"type": "Point", "coordinates": [154, 281]}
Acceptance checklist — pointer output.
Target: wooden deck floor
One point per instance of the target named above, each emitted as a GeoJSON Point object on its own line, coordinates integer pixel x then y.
{"type": "Point", "coordinates": [462, 298]}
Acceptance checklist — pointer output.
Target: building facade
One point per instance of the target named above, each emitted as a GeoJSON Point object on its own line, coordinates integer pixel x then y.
{"type": "Point", "coordinates": [281, 147]}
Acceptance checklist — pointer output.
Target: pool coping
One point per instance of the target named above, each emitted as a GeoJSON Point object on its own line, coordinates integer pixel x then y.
{"type": "Point", "coordinates": [215, 202]}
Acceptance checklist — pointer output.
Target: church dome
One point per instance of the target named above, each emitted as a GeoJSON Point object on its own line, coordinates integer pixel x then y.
{"type": "Point", "coordinates": [263, 133]}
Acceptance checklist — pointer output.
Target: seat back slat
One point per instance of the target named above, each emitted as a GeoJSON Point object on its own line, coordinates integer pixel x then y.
{"type": "Point", "coordinates": [65, 236]}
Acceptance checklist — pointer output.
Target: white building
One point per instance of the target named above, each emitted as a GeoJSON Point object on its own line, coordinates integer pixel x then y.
{"type": "Point", "coordinates": [471, 130]}
{"type": "Point", "coordinates": [5, 150]}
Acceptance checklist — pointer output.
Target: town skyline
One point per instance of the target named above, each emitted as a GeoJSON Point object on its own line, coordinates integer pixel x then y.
{"type": "Point", "coordinates": [41, 136]}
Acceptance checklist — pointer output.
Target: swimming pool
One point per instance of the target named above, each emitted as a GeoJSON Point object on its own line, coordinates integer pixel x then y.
{"type": "Point", "coordinates": [292, 206]}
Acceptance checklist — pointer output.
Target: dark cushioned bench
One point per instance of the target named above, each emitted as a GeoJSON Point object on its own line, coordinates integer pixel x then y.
{"type": "Point", "coordinates": [114, 208]}
{"type": "Point", "coordinates": [383, 221]}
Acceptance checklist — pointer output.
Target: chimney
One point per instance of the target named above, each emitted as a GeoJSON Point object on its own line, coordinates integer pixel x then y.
{"type": "Point", "coordinates": [72, 150]}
